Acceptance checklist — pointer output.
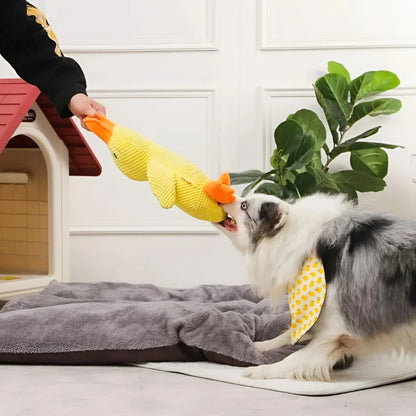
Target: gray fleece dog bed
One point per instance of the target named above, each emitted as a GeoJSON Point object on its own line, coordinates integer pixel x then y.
{"type": "Point", "coordinates": [115, 323]}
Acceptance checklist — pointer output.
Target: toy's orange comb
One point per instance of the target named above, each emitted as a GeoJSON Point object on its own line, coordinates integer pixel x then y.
{"type": "Point", "coordinates": [221, 189]}
{"type": "Point", "coordinates": [101, 126]}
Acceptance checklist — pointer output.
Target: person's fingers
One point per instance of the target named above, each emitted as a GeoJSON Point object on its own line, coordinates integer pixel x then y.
{"type": "Point", "coordinates": [92, 109]}
{"type": "Point", "coordinates": [82, 106]}
{"type": "Point", "coordinates": [84, 126]}
{"type": "Point", "coordinates": [99, 108]}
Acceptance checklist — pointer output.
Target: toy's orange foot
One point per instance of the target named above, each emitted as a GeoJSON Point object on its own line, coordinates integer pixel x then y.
{"type": "Point", "coordinates": [220, 190]}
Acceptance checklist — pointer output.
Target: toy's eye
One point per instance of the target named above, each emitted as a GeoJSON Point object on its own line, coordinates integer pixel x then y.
{"type": "Point", "coordinates": [243, 206]}
{"type": "Point", "coordinates": [115, 155]}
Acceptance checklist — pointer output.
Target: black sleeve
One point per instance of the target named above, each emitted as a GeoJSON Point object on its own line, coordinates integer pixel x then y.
{"type": "Point", "coordinates": [33, 52]}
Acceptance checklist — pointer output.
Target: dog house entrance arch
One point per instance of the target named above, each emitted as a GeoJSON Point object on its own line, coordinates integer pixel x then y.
{"type": "Point", "coordinates": [33, 207]}
{"type": "Point", "coordinates": [36, 159]}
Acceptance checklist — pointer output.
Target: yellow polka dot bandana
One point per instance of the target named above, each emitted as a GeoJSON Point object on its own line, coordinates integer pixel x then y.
{"type": "Point", "coordinates": [306, 297]}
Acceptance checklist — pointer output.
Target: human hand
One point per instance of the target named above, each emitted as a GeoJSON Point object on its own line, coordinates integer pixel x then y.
{"type": "Point", "coordinates": [82, 106]}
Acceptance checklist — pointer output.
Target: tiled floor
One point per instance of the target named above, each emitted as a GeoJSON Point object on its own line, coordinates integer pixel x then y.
{"type": "Point", "coordinates": [130, 391]}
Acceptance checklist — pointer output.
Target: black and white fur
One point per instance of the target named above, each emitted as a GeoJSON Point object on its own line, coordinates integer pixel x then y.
{"type": "Point", "coordinates": [370, 268]}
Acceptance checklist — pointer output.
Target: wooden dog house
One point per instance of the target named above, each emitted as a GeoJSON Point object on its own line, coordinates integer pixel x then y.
{"type": "Point", "coordinates": [38, 152]}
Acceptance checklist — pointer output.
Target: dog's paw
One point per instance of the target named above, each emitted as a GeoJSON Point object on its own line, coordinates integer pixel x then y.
{"type": "Point", "coordinates": [274, 343]}
{"type": "Point", "coordinates": [254, 372]}
{"type": "Point", "coordinates": [262, 346]}
{"type": "Point", "coordinates": [262, 372]}
{"type": "Point", "coordinates": [283, 371]}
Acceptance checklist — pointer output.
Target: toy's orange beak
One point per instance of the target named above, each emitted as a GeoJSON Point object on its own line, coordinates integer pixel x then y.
{"type": "Point", "coordinates": [101, 126]}
{"type": "Point", "coordinates": [220, 190]}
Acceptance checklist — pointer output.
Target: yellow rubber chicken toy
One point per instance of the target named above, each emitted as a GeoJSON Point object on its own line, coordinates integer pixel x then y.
{"type": "Point", "coordinates": [173, 179]}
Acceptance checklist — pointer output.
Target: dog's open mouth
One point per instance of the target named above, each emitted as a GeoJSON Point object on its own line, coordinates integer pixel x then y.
{"type": "Point", "coordinates": [229, 224]}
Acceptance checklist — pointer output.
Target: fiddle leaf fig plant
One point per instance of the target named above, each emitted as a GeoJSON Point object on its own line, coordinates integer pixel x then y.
{"type": "Point", "coordinates": [301, 162]}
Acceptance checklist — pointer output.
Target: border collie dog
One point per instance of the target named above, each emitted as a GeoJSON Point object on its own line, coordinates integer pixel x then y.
{"type": "Point", "coordinates": [369, 263]}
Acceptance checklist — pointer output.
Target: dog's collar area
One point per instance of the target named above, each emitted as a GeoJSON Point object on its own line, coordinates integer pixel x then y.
{"type": "Point", "coordinates": [306, 297]}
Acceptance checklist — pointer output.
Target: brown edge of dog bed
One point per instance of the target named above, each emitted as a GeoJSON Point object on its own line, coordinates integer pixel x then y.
{"type": "Point", "coordinates": [178, 352]}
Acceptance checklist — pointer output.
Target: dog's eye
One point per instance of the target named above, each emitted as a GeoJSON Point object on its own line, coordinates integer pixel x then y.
{"type": "Point", "coordinates": [244, 206]}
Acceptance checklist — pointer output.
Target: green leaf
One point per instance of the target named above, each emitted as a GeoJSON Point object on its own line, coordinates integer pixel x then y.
{"type": "Point", "coordinates": [302, 155]}
{"type": "Point", "coordinates": [351, 194]}
{"type": "Point", "coordinates": [289, 176]}
{"type": "Point", "coordinates": [300, 137]}
{"type": "Point", "coordinates": [346, 146]}
{"type": "Point", "coordinates": [316, 161]}
{"type": "Point", "coordinates": [270, 188]}
{"type": "Point", "coordinates": [372, 82]}
{"type": "Point", "coordinates": [277, 160]}
{"type": "Point", "coordinates": [333, 98]}
{"type": "Point", "coordinates": [337, 68]}
{"type": "Point", "coordinates": [383, 106]}
{"type": "Point", "coordinates": [247, 189]}
{"type": "Point", "coordinates": [328, 185]}
{"type": "Point", "coordinates": [311, 125]}
{"type": "Point", "coordinates": [238, 178]}
{"type": "Point", "coordinates": [306, 183]}
{"type": "Point", "coordinates": [331, 120]}
{"type": "Point", "coordinates": [318, 173]}
{"type": "Point", "coordinates": [324, 181]}
{"type": "Point", "coordinates": [372, 145]}
{"type": "Point", "coordinates": [348, 180]}
{"type": "Point", "coordinates": [372, 161]}
{"type": "Point", "coordinates": [290, 191]}
{"type": "Point", "coordinates": [367, 133]}
{"type": "Point", "coordinates": [350, 146]}
{"type": "Point", "coordinates": [288, 136]}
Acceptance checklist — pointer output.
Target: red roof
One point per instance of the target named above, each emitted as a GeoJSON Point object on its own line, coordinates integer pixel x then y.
{"type": "Point", "coordinates": [16, 98]}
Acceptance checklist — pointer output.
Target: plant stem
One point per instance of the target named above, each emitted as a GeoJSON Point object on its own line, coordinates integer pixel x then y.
{"type": "Point", "coordinates": [297, 191]}
{"type": "Point", "coordinates": [262, 178]}
{"type": "Point", "coordinates": [327, 152]}
{"type": "Point", "coordinates": [343, 134]}
{"type": "Point", "coordinates": [341, 138]}
{"type": "Point", "coordinates": [279, 173]}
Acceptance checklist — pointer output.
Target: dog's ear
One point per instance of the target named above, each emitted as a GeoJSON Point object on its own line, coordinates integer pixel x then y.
{"type": "Point", "coordinates": [272, 214]}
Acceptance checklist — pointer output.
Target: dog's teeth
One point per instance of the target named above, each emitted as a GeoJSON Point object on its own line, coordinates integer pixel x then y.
{"type": "Point", "coordinates": [229, 223]}
{"type": "Point", "coordinates": [231, 220]}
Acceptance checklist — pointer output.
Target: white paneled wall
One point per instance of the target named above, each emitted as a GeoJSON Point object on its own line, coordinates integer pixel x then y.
{"type": "Point", "coordinates": [325, 24]}
{"type": "Point", "coordinates": [211, 79]}
{"type": "Point", "coordinates": [136, 25]}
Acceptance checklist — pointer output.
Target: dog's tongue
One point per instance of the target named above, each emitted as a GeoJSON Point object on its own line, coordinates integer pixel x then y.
{"type": "Point", "coordinates": [230, 225]}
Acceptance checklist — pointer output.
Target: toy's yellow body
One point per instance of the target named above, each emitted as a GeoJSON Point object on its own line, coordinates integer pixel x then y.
{"type": "Point", "coordinates": [173, 179]}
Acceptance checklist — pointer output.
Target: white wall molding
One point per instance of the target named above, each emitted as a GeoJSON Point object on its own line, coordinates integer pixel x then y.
{"type": "Point", "coordinates": [266, 40]}
{"type": "Point", "coordinates": [151, 92]}
{"type": "Point", "coordinates": [165, 229]}
{"type": "Point", "coordinates": [401, 92]}
{"type": "Point", "coordinates": [168, 44]}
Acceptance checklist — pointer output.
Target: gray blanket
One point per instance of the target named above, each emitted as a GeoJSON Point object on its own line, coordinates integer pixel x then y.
{"type": "Point", "coordinates": [77, 317]}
